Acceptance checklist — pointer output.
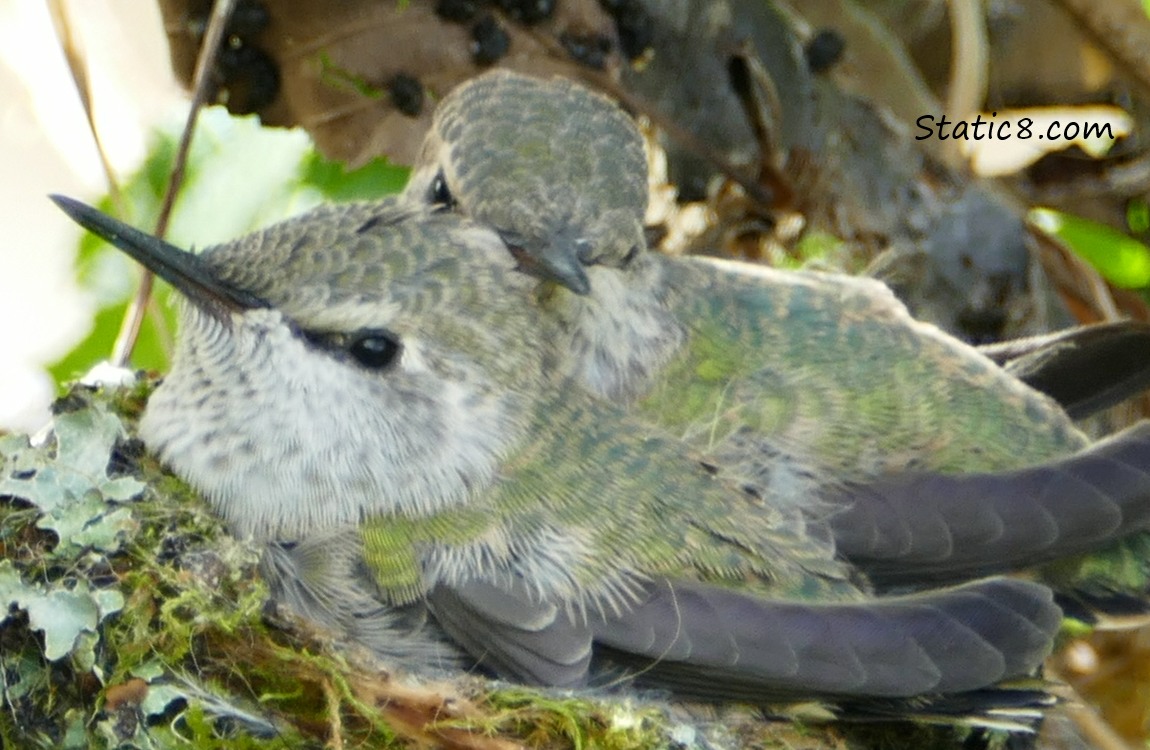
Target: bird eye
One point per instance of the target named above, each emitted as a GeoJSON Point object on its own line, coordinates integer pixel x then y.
{"type": "Point", "coordinates": [585, 251]}
{"type": "Point", "coordinates": [439, 192]}
{"type": "Point", "coordinates": [375, 349]}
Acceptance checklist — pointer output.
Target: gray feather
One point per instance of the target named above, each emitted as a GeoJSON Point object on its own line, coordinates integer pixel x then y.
{"type": "Point", "coordinates": [910, 526]}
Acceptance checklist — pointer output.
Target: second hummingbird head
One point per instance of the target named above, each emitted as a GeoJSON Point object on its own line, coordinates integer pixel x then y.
{"type": "Point", "coordinates": [558, 171]}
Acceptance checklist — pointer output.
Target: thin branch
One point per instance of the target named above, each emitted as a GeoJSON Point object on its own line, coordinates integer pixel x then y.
{"type": "Point", "coordinates": [78, 67]}
{"type": "Point", "coordinates": [1085, 717]}
{"type": "Point", "coordinates": [969, 60]}
{"type": "Point", "coordinates": [130, 328]}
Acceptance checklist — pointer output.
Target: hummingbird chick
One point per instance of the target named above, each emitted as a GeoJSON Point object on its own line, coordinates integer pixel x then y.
{"type": "Point", "coordinates": [818, 393]}
{"type": "Point", "coordinates": [361, 388]}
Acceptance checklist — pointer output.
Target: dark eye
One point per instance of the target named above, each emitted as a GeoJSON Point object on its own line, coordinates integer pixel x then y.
{"type": "Point", "coordinates": [439, 192]}
{"type": "Point", "coordinates": [375, 349]}
{"type": "Point", "coordinates": [584, 251]}
{"type": "Point", "coordinates": [630, 256]}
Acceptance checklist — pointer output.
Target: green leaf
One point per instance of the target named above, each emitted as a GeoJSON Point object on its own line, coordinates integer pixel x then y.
{"type": "Point", "coordinates": [150, 352]}
{"type": "Point", "coordinates": [373, 180]}
{"type": "Point", "coordinates": [342, 79]}
{"type": "Point", "coordinates": [1121, 260]}
{"type": "Point", "coordinates": [813, 247]}
{"type": "Point", "coordinates": [1137, 215]}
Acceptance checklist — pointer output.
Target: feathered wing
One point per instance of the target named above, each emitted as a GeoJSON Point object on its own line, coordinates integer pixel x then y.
{"type": "Point", "coordinates": [917, 528]}
{"type": "Point", "coordinates": [514, 634]}
{"type": "Point", "coordinates": [714, 643]}
{"type": "Point", "coordinates": [322, 579]}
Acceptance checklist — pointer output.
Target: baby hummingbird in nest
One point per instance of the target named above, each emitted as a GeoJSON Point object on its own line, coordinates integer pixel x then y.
{"type": "Point", "coordinates": [911, 454]}
{"type": "Point", "coordinates": [362, 388]}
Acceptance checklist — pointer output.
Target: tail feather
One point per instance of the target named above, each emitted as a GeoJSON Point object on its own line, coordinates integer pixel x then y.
{"type": "Point", "coordinates": [927, 527]}
{"type": "Point", "coordinates": [1085, 369]}
{"type": "Point", "coordinates": [717, 644]}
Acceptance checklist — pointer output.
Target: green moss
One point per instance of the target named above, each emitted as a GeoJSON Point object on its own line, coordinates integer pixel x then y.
{"type": "Point", "coordinates": [541, 719]}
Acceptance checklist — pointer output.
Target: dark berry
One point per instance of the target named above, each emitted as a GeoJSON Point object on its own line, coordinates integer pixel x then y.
{"type": "Point", "coordinates": [490, 41]}
{"type": "Point", "coordinates": [457, 11]}
{"type": "Point", "coordinates": [406, 94]}
{"type": "Point", "coordinates": [824, 50]}
{"type": "Point", "coordinates": [527, 11]}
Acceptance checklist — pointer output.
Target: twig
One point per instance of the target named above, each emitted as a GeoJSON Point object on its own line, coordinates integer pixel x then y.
{"type": "Point", "coordinates": [968, 65]}
{"type": "Point", "coordinates": [134, 318]}
{"type": "Point", "coordinates": [1086, 718]}
{"type": "Point", "coordinates": [78, 67]}
{"type": "Point", "coordinates": [335, 722]}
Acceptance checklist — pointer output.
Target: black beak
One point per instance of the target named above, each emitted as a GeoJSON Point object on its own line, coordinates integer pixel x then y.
{"type": "Point", "coordinates": [185, 271]}
{"type": "Point", "coordinates": [557, 261]}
